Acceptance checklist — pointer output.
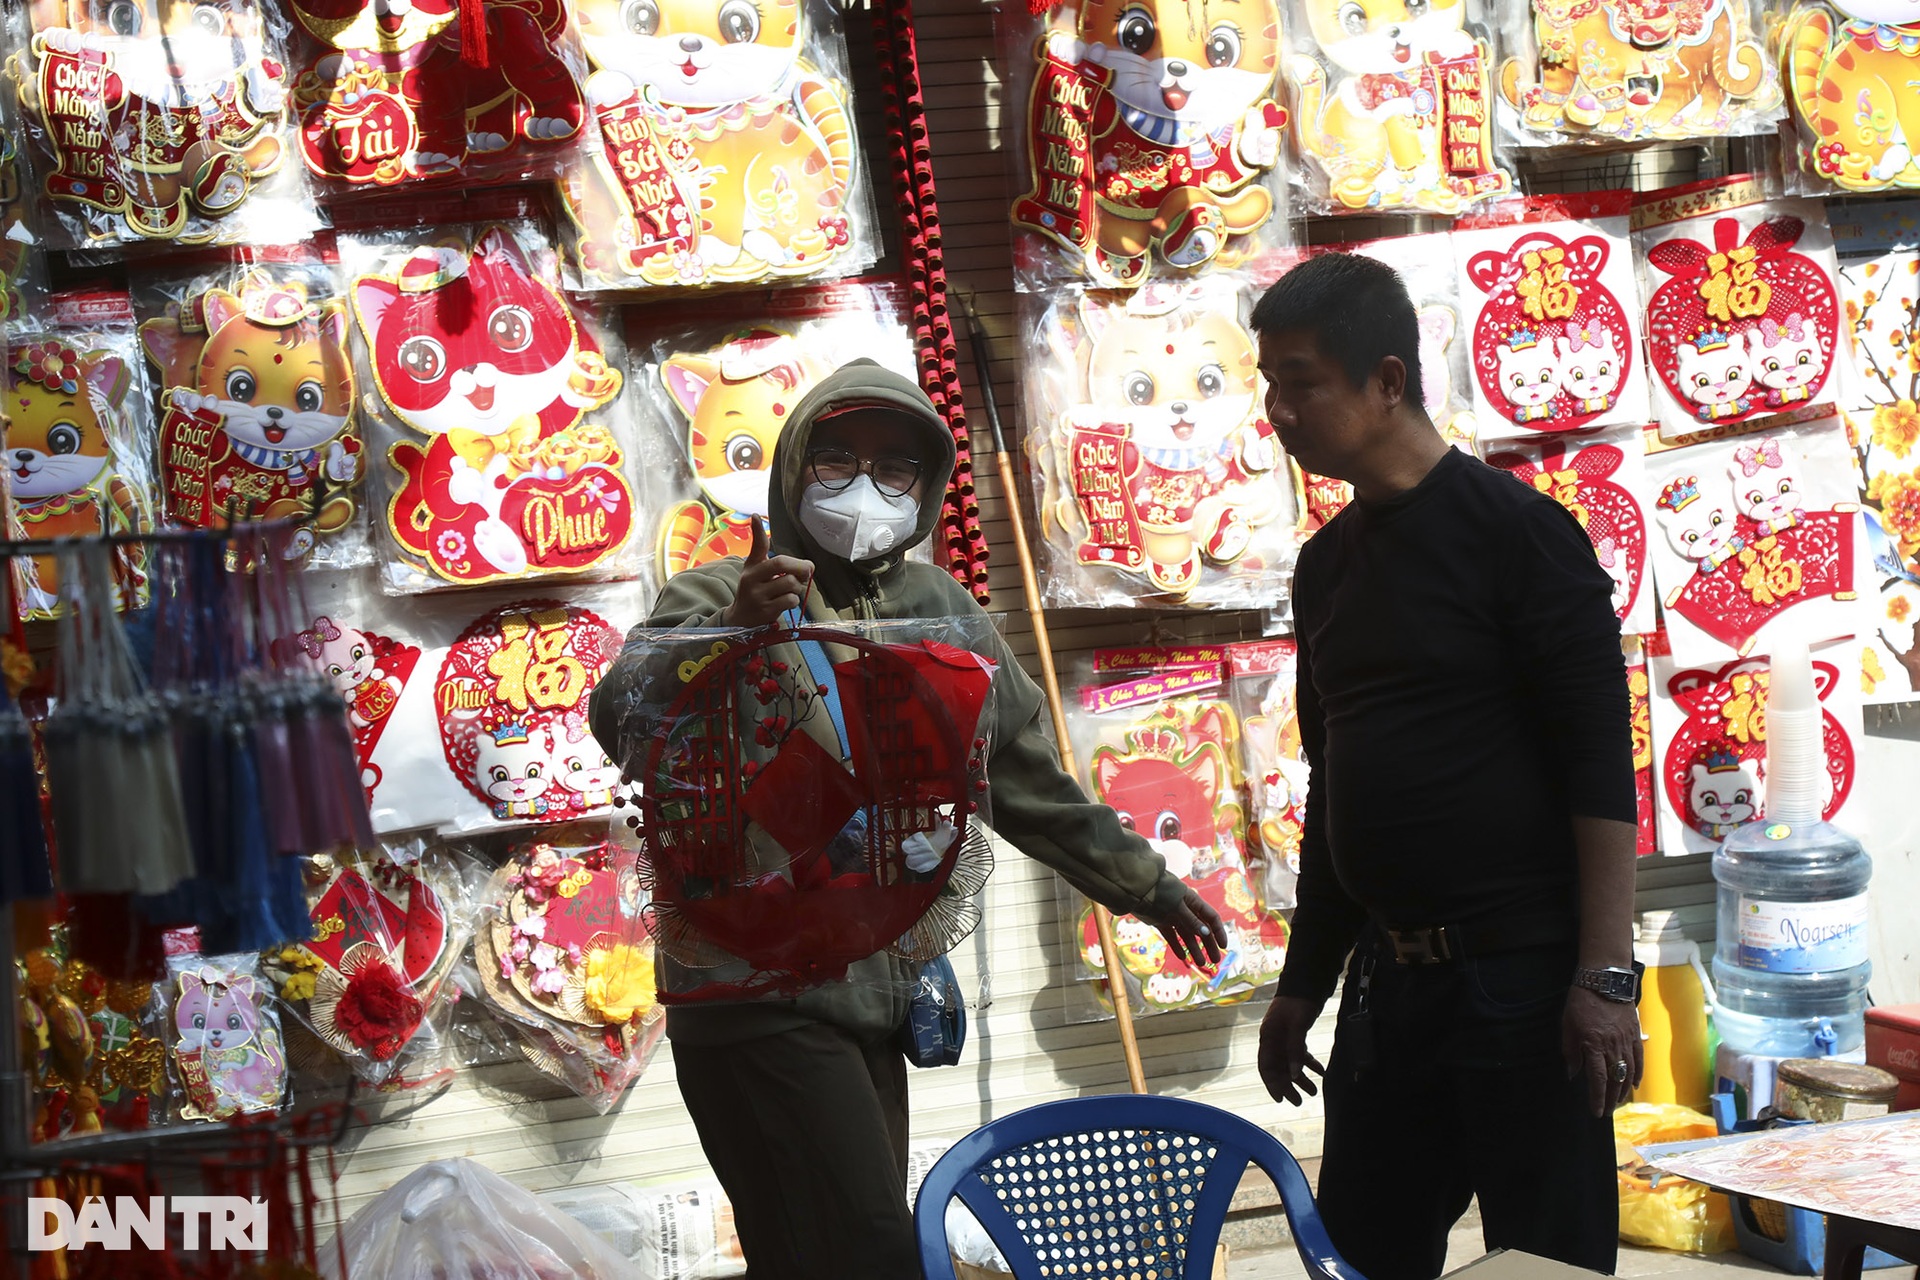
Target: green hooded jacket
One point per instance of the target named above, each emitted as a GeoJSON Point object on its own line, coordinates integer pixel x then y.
{"type": "Point", "coordinates": [1035, 805]}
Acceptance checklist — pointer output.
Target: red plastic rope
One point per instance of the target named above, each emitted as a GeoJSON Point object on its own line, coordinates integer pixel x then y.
{"type": "Point", "coordinates": [912, 163]}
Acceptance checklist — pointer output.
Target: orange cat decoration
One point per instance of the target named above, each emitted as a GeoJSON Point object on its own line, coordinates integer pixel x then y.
{"type": "Point", "coordinates": [1852, 67]}
{"type": "Point", "coordinates": [1637, 70]}
{"type": "Point", "coordinates": [1150, 128]}
{"type": "Point", "coordinates": [1394, 107]}
{"type": "Point", "coordinates": [67, 442]}
{"type": "Point", "coordinates": [159, 120]}
{"type": "Point", "coordinates": [259, 407]}
{"type": "Point", "coordinates": [725, 153]}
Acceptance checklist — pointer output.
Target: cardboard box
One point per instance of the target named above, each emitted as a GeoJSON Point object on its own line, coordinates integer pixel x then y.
{"type": "Point", "coordinates": [1893, 1044]}
{"type": "Point", "coordinates": [1511, 1264]}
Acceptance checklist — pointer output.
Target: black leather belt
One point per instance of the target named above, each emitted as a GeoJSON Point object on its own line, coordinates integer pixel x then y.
{"type": "Point", "coordinates": [1441, 943]}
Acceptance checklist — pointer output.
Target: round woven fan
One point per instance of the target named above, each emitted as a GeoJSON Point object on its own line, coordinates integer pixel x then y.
{"type": "Point", "coordinates": [780, 841]}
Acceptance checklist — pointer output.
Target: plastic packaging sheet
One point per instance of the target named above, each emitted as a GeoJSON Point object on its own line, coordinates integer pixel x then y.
{"type": "Point", "coordinates": [158, 124]}
{"type": "Point", "coordinates": [454, 1220]}
{"type": "Point", "coordinates": [1849, 67]}
{"type": "Point", "coordinates": [254, 389]}
{"type": "Point", "coordinates": [78, 442]}
{"type": "Point", "coordinates": [224, 1051]}
{"type": "Point", "coordinates": [498, 404]}
{"type": "Point", "coordinates": [389, 95]}
{"type": "Point", "coordinates": [23, 270]}
{"type": "Point", "coordinates": [1158, 740]}
{"type": "Point", "coordinates": [1149, 138]}
{"type": "Point", "coordinates": [1262, 689]}
{"type": "Point", "coordinates": [1611, 71]}
{"type": "Point", "coordinates": [714, 399]}
{"type": "Point", "coordinates": [723, 148]}
{"type": "Point", "coordinates": [801, 802]}
{"type": "Point", "coordinates": [1159, 478]}
{"type": "Point", "coordinates": [1392, 109]}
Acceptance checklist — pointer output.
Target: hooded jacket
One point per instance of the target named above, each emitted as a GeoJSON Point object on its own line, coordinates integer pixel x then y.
{"type": "Point", "coordinates": [1036, 806]}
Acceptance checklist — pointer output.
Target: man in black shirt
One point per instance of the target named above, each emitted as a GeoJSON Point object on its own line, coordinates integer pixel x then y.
{"type": "Point", "coordinates": [1470, 821]}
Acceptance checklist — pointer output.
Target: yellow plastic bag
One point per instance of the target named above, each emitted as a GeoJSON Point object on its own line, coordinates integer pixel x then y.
{"type": "Point", "coordinates": [1678, 1214]}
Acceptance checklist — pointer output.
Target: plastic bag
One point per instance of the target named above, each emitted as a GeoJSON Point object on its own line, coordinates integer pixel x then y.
{"type": "Point", "coordinates": [1613, 71]}
{"type": "Point", "coordinates": [1155, 467]}
{"type": "Point", "coordinates": [683, 1231]}
{"type": "Point", "coordinates": [255, 389]}
{"type": "Point", "coordinates": [389, 95]}
{"type": "Point", "coordinates": [78, 441]}
{"type": "Point", "coordinates": [723, 147]}
{"type": "Point", "coordinates": [1151, 141]}
{"type": "Point", "coordinates": [499, 410]}
{"type": "Point", "coordinates": [1161, 745]}
{"type": "Point", "coordinates": [455, 1220]}
{"type": "Point", "coordinates": [1397, 116]}
{"type": "Point", "coordinates": [23, 282]}
{"type": "Point", "coordinates": [718, 399]}
{"type": "Point", "coordinates": [1743, 312]}
{"type": "Point", "coordinates": [1553, 316]}
{"type": "Point", "coordinates": [155, 123]}
{"type": "Point", "coordinates": [1670, 1213]}
{"type": "Point", "coordinates": [1850, 67]}
{"type": "Point", "coordinates": [1261, 686]}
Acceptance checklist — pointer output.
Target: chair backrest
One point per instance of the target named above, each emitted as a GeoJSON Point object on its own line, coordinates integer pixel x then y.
{"type": "Point", "coordinates": [1114, 1185]}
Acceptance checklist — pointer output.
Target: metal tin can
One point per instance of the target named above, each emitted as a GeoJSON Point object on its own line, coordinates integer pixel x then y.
{"type": "Point", "coordinates": [1822, 1090]}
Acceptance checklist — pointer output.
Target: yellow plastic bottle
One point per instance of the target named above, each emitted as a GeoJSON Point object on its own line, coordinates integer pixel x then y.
{"type": "Point", "coordinates": [1675, 1003]}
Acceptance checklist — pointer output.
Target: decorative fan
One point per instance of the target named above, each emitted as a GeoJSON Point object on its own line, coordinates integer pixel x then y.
{"type": "Point", "coordinates": [795, 817]}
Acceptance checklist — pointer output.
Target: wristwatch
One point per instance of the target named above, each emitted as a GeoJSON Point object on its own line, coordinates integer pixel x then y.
{"type": "Point", "coordinates": [1622, 986]}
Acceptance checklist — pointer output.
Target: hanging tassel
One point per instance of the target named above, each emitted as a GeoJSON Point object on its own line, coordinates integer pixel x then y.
{"type": "Point", "coordinates": [473, 33]}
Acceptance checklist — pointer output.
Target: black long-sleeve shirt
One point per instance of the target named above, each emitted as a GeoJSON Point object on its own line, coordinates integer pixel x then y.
{"type": "Point", "coordinates": [1462, 696]}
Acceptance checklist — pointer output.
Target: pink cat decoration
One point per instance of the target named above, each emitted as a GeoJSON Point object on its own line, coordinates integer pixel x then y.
{"type": "Point", "coordinates": [228, 1053]}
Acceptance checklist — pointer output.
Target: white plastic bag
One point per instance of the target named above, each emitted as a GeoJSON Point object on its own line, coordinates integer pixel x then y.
{"type": "Point", "coordinates": [454, 1220]}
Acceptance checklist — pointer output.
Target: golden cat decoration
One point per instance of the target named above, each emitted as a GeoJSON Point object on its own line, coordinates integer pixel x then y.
{"type": "Point", "coordinates": [1636, 70]}
{"type": "Point", "coordinates": [67, 441]}
{"type": "Point", "coordinates": [727, 155]}
{"type": "Point", "coordinates": [1852, 79]}
{"type": "Point", "coordinates": [1394, 111]}
{"type": "Point", "coordinates": [1150, 129]}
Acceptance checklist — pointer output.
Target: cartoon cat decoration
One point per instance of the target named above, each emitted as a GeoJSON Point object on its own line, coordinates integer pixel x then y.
{"type": "Point", "coordinates": [259, 407]}
{"type": "Point", "coordinates": [1851, 68]}
{"type": "Point", "coordinates": [724, 154]}
{"type": "Point", "coordinates": [1150, 130]}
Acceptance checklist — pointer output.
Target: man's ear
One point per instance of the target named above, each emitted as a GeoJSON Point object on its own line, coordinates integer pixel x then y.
{"type": "Point", "coordinates": [1392, 374]}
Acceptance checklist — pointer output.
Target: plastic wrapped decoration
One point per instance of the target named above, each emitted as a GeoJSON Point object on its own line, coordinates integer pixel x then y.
{"type": "Point", "coordinates": [1157, 471]}
{"type": "Point", "coordinates": [1600, 480]}
{"type": "Point", "coordinates": [1152, 141]}
{"type": "Point", "coordinates": [1161, 745]}
{"type": "Point", "coordinates": [78, 445]}
{"type": "Point", "coordinates": [256, 396]}
{"type": "Point", "coordinates": [729, 399]}
{"type": "Point", "coordinates": [154, 123]}
{"type": "Point", "coordinates": [511, 696]}
{"type": "Point", "coordinates": [467, 92]}
{"type": "Point", "coordinates": [22, 273]}
{"type": "Point", "coordinates": [105, 725]}
{"type": "Point", "coordinates": [224, 1046]}
{"type": "Point", "coordinates": [386, 934]}
{"type": "Point", "coordinates": [498, 400]}
{"type": "Point", "coordinates": [1850, 67]}
{"type": "Point", "coordinates": [1759, 540]}
{"type": "Point", "coordinates": [1261, 689]}
{"type": "Point", "coordinates": [1639, 697]}
{"type": "Point", "coordinates": [1610, 71]}
{"type": "Point", "coordinates": [1392, 109]}
{"type": "Point", "coordinates": [454, 1220]}
{"type": "Point", "coordinates": [806, 799]}
{"type": "Point", "coordinates": [1743, 317]}
{"type": "Point", "coordinates": [563, 957]}
{"type": "Point", "coordinates": [1555, 333]}
{"type": "Point", "coordinates": [1879, 247]}
{"type": "Point", "coordinates": [725, 149]}
{"type": "Point", "coordinates": [1710, 736]}
{"type": "Point", "coordinates": [94, 1053]}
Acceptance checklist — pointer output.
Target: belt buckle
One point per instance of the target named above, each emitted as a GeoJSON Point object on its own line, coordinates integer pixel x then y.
{"type": "Point", "coordinates": [1421, 946]}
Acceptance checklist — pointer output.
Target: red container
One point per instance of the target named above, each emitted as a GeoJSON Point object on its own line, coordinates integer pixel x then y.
{"type": "Point", "coordinates": [1893, 1044]}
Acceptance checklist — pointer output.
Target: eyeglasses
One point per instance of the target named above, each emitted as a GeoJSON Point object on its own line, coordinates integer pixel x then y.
{"type": "Point", "coordinates": [835, 469]}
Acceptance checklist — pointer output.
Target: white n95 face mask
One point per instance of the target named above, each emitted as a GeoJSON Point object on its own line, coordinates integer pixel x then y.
{"type": "Point", "coordinates": [858, 522]}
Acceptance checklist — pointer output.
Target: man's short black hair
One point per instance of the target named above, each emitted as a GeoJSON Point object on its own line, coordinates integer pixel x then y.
{"type": "Point", "coordinates": [1356, 307]}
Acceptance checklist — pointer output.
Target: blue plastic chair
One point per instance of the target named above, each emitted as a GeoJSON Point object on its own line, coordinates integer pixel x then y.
{"type": "Point", "coordinates": [1115, 1185]}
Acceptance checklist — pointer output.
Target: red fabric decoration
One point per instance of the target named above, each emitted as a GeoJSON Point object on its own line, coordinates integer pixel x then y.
{"type": "Point", "coordinates": [377, 1011]}
{"type": "Point", "coordinates": [473, 33]}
